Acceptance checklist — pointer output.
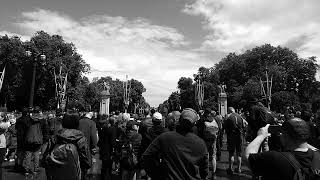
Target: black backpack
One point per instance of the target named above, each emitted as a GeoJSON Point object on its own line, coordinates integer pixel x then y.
{"type": "Point", "coordinates": [128, 159]}
{"type": "Point", "coordinates": [34, 134]}
{"type": "Point", "coordinates": [63, 162]}
{"type": "Point", "coordinates": [302, 173]}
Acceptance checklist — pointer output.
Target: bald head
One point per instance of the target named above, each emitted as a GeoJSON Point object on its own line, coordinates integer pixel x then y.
{"type": "Point", "coordinates": [231, 110]}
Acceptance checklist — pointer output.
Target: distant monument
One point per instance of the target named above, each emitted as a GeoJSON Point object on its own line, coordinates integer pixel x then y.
{"type": "Point", "coordinates": [222, 100]}
{"type": "Point", "coordinates": [105, 99]}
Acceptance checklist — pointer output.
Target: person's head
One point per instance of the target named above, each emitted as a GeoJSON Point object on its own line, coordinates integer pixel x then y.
{"type": "Point", "coordinates": [71, 120]}
{"type": "Point", "coordinates": [89, 115]}
{"type": "Point", "coordinates": [146, 112]}
{"type": "Point", "coordinates": [58, 112]}
{"type": "Point", "coordinates": [112, 121]}
{"type": "Point", "coordinates": [306, 115]}
{"type": "Point", "coordinates": [12, 119]}
{"type": "Point", "coordinates": [25, 111]}
{"type": "Point", "coordinates": [156, 118]}
{"type": "Point", "coordinates": [125, 117]}
{"type": "Point", "coordinates": [207, 112]}
{"type": "Point", "coordinates": [231, 110]}
{"type": "Point", "coordinates": [187, 120]}
{"type": "Point", "coordinates": [152, 111]}
{"type": "Point", "coordinates": [214, 113]}
{"type": "Point", "coordinates": [176, 115]}
{"type": "Point", "coordinates": [295, 132]}
{"type": "Point", "coordinates": [131, 126]}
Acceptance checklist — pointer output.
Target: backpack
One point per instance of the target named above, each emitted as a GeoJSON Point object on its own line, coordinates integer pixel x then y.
{"type": "Point", "coordinates": [34, 134]}
{"type": "Point", "coordinates": [211, 129]}
{"type": "Point", "coordinates": [302, 173]}
{"type": "Point", "coordinates": [128, 159]}
{"type": "Point", "coordinates": [63, 162]}
{"type": "Point", "coordinates": [238, 126]}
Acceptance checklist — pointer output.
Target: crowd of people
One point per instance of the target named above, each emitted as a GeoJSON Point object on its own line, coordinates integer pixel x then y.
{"type": "Point", "coordinates": [181, 145]}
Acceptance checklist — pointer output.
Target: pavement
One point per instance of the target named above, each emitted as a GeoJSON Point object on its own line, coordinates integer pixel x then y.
{"type": "Point", "coordinates": [94, 174]}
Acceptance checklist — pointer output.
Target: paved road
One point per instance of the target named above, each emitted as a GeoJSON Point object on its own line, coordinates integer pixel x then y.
{"type": "Point", "coordinates": [10, 174]}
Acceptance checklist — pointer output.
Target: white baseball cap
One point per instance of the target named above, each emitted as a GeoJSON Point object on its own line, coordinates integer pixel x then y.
{"type": "Point", "coordinates": [157, 116]}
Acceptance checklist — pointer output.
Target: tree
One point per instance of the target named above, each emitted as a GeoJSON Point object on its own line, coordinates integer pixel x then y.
{"type": "Point", "coordinates": [186, 93]}
{"type": "Point", "coordinates": [293, 77]}
{"type": "Point", "coordinates": [17, 82]}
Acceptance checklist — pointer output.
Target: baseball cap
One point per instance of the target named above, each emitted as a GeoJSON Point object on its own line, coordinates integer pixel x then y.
{"type": "Point", "coordinates": [157, 116]}
{"type": "Point", "coordinates": [190, 115]}
{"type": "Point", "coordinates": [296, 128]}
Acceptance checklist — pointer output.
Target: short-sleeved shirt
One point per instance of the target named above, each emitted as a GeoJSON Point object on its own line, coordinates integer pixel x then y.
{"type": "Point", "coordinates": [273, 165]}
{"type": "Point", "coordinates": [183, 157]}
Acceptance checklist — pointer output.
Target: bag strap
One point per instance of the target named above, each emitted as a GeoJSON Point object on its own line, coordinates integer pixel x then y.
{"type": "Point", "coordinates": [294, 163]}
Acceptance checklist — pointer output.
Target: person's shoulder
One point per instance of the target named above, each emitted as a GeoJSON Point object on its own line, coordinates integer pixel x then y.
{"type": "Point", "coordinates": [168, 134]}
{"type": "Point", "coordinates": [272, 156]}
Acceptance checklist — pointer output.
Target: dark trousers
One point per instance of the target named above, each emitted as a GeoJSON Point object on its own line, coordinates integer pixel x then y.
{"type": "Point", "coordinates": [2, 154]}
{"type": "Point", "coordinates": [106, 169]}
{"type": "Point", "coordinates": [219, 144]}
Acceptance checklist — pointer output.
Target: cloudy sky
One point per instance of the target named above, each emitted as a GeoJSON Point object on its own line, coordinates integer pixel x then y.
{"type": "Point", "coordinates": [159, 41]}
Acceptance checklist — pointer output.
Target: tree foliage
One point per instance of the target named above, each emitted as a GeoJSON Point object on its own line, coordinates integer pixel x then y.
{"type": "Point", "coordinates": [293, 78]}
{"type": "Point", "coordinates": [81, 94]}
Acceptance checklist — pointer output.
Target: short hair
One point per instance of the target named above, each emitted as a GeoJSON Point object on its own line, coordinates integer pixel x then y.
{"type": "Point", "coordinates": [25, 111]}
{"type": "Point", "coordinates": [297, 129]}
{"type": "Point", "coordinates": [71, 120]}
{"type": "Point", "coordinates": [231, 110]}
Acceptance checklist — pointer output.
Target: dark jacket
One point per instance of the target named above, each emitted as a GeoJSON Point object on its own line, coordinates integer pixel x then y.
{"type": "Point", "coordinates": [107, 141]}
{"type": "Point", "coordinates": [88, 127]}
{"type": "Point", "coordinates": [21, 126]}
{"type": "Point", "coordinates": [165, 159]}
{"type": "Point", "coordinates": [150, 135]}
{"type": "Point", "coordinates": [135, 139]}
{"type": "Point", "coordinates": [33, 120]}
{"type": "Point", "coordinates": [71, 136]}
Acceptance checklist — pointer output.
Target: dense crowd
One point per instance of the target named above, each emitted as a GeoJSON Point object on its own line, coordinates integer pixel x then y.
{"type": "Point", "coordinates": [181, 145]}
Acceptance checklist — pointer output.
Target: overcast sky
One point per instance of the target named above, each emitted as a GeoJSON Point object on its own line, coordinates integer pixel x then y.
{"type": "Point", "coordinates": [159, 41]}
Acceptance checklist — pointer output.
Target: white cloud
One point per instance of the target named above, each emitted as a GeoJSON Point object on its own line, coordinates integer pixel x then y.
{"type": "Point", "coordinates": [116, 46]}
{"type": "Point", "coordinates": [236, 24]}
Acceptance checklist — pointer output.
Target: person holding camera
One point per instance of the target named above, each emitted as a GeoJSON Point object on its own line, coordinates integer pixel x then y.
{"type": "Point", "coordinates": [298, 160]}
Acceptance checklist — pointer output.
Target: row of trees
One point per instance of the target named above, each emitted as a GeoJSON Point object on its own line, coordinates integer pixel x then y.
{"type": "Point", "coordinates": [81, 93]}
{"type": "Point", "coordinates": [294, 82]}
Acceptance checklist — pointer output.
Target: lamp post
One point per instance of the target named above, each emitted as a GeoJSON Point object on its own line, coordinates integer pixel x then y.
{"type": "Point", "coordinates": [42, 57]}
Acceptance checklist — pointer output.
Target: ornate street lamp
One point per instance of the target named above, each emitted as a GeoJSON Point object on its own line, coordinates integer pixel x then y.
{"type": "Point", "coordinates": [36, 56]}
